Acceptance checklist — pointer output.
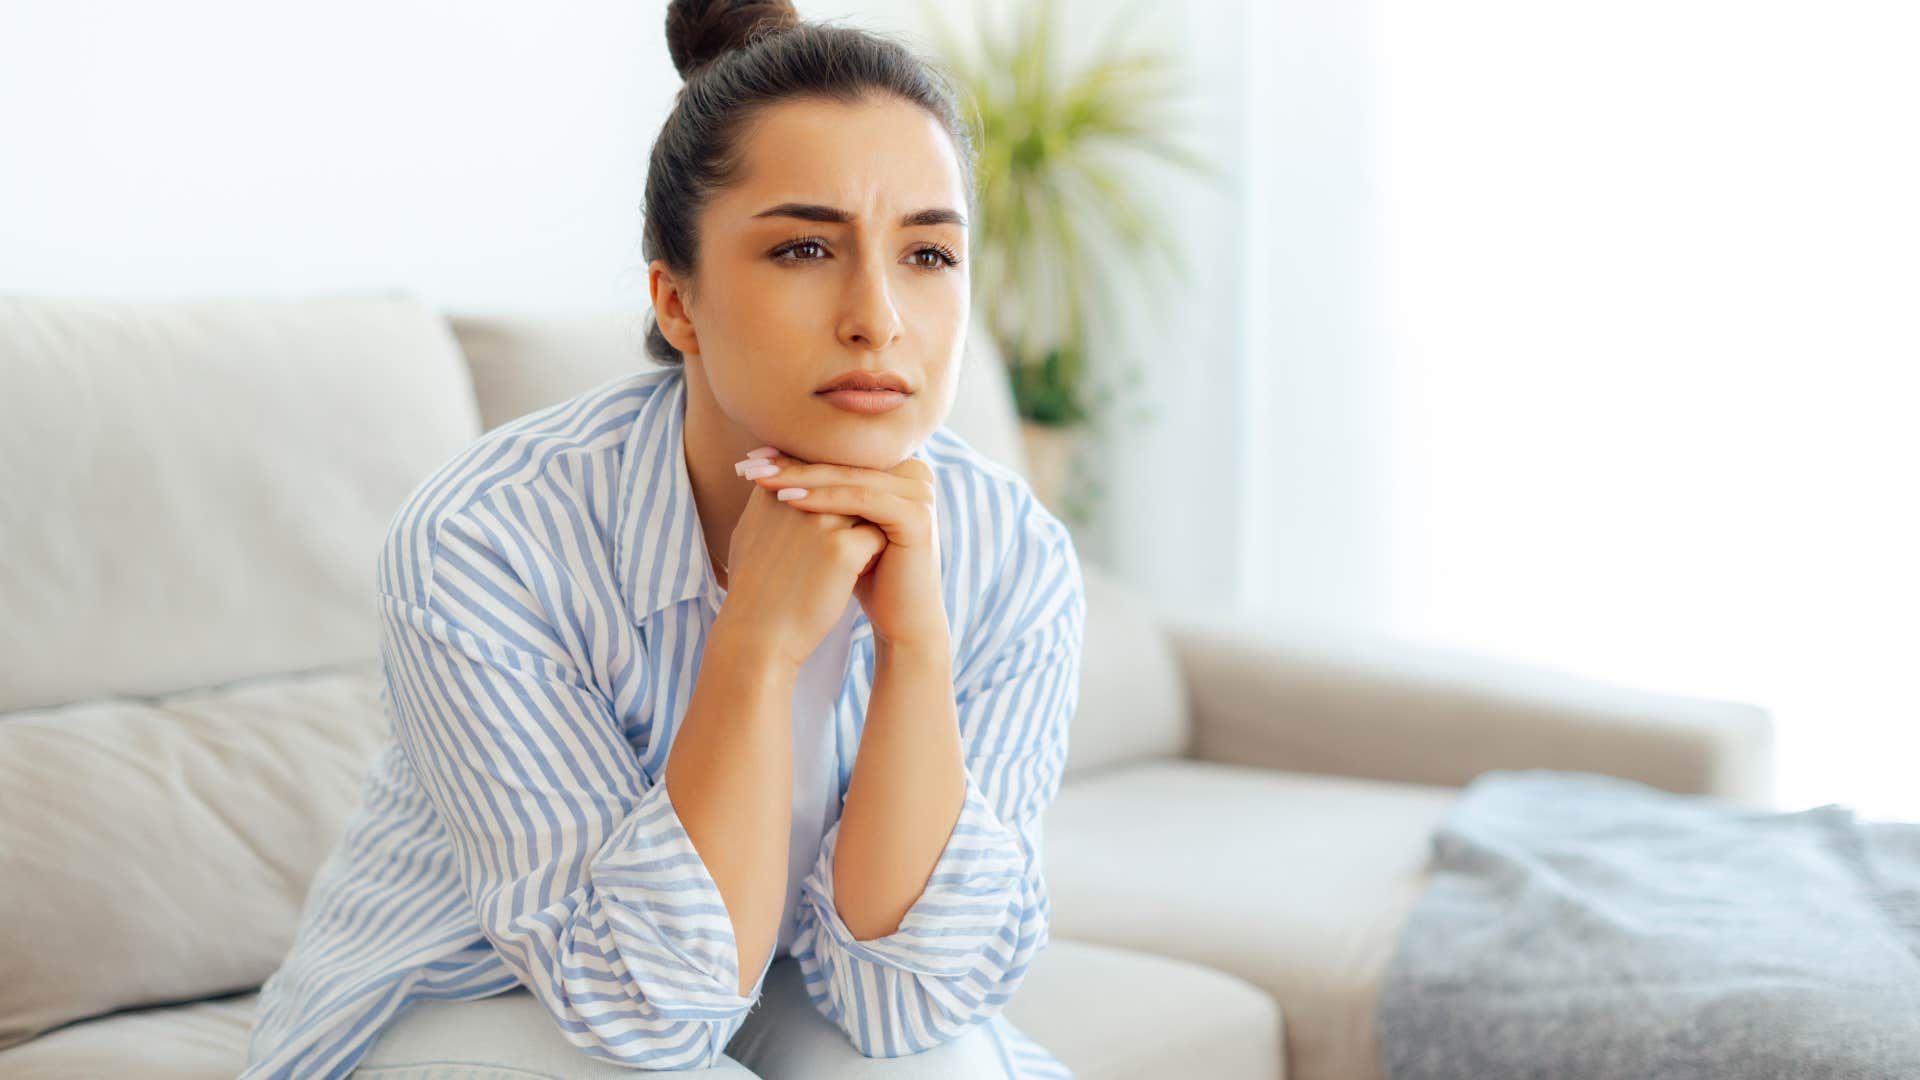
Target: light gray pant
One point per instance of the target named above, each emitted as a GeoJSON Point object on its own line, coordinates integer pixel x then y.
{"type": "Point", "coordinates": [509, 1036]}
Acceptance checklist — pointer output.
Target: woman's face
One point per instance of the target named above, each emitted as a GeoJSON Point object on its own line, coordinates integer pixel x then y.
{"type": "Point", "coordinates": [829, 254]}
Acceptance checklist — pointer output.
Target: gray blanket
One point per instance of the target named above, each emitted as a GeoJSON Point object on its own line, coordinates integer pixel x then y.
{"type": "Point", "coordinates": [1578, 925]}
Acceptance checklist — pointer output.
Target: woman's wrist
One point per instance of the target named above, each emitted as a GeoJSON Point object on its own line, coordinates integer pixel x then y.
{"type": "Point", "coordinates": [748, 647]}
{"type": "Point", "coordinates": [931, 650]}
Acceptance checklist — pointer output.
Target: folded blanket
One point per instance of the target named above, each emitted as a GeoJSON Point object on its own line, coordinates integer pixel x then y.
{"type": "Point", "coordinates": [1577, 925]}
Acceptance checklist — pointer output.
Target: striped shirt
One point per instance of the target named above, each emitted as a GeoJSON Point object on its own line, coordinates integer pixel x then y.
{"type": "Point", "coordinates": [544, 600]}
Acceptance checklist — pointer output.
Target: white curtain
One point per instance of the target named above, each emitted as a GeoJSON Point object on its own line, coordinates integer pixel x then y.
{"type": "Point", "coordinates": [1639, 343]}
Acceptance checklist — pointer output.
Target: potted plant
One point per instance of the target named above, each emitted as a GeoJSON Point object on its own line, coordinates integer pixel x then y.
{"type": "Point", "coordinates": [1053, 149]}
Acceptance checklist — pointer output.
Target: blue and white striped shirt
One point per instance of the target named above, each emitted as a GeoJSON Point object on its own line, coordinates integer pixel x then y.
{"type": "Point", "coordinates": [544, 603]}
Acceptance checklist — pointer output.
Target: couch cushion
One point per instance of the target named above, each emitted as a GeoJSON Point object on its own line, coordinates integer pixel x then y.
{"type": "Point", "coordinates": [201, 1040]}
{"type": "Point", "coordinates": [1112, 1013]}
{"type": "Point", "coordinates": [156, 851]}
{"type": "Point", "coordinates": [1133, 697]}
{"type": "Point", "coordinates": [196, 490]}
{"type": "Point", "coordinates": [1297, 883]}
{"type": "Point", "coordinates": [1108, 1013]}
{"type": "Point", "coordinates": [526, 361]}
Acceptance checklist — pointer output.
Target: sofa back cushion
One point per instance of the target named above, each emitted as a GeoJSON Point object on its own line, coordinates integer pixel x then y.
{"type": "Point", "coordinates": [1133, 697]}
{"type": "Point", "coordinates": [159, 850]}
{"type": "Point", "coordinates": [196, 490]}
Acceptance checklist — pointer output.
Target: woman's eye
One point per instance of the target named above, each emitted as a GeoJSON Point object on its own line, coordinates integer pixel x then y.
{"type": "Point", "coordinates": [787, 252]}
{"type": "Point", "coordinates": [940, 261]}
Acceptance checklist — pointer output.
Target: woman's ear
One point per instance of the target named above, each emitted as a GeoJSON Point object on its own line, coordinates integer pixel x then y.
{"type": "Point", "coordinates": [670, 307]}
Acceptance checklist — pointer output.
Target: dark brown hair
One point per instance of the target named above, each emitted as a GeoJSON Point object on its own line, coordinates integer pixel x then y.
{"type": "Point", "coordinates": [736, 57]}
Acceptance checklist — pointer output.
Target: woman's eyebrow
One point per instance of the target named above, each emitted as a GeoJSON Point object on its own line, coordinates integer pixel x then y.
{"type": "Point", "coordinates": [816, 212]}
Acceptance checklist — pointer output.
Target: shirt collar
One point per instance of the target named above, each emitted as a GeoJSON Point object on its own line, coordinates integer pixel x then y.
{"type": "Point", "coordinates": [659, 547]}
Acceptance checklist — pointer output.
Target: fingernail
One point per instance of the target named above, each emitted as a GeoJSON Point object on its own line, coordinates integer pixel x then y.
{"type": "Point", "coordinates": [764, 451]}
{"type": "Point", "coordinates": [785, 494]}
{"type": "Point", "coordinates": [759, 469]}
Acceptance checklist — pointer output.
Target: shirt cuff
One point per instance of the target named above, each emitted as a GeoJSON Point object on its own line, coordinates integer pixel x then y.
{"type": "Point", "coordinates": [668, 922]}
{"type": "Point", "coordinates": [972, 899]}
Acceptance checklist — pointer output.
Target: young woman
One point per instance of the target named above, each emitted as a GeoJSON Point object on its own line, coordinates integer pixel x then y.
{"type": "Point", "coordinates": [726, 697]}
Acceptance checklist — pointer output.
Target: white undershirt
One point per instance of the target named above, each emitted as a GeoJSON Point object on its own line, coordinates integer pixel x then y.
{"type": "Point", "coordinates": [816, 768]}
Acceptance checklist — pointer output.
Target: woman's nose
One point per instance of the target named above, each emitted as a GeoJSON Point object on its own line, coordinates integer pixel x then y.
{"type": "Point", "coordinates": [871, 318]}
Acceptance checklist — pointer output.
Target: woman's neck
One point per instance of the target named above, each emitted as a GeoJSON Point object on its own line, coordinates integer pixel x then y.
{"type": "Point", "coordinates": [712, 443]}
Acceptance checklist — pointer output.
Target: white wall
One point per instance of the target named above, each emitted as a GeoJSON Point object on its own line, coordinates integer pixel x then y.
{"type": "Point", "coordinates": [1646, 281]}
{"type": "Point", "coordinates": [1315, 539]}
{"type": "Point", "coordinates": [483, 154]}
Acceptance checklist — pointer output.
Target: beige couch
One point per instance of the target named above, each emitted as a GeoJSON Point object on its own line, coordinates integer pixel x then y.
{"type": "Point", "coordinates": [195, 491]}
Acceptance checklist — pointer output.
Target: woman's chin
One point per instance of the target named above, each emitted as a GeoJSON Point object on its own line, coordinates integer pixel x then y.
{"type": "Point", "coordinates": [865, 449]}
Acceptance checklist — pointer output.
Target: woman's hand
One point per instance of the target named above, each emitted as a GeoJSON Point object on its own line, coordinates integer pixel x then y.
{"type": "Point", "coordinates": [789, 575]}
{"type": "Point", "coordinates": [900, 592]}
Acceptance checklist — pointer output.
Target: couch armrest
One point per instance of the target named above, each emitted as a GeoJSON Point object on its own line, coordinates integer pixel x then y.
{"type": "Point", "coordinates": [1323, 701]}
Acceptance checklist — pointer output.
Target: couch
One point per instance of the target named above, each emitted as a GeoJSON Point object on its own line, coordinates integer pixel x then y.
{"type": "Point", "coordinates": [188, 698]}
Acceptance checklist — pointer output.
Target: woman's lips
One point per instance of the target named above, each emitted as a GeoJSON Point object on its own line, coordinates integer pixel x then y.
{"type": "Point", "coordinates": [865, 401]}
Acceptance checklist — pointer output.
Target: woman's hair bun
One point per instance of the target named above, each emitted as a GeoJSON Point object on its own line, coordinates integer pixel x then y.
{"type": "Point", "coordinates": [699, 30]}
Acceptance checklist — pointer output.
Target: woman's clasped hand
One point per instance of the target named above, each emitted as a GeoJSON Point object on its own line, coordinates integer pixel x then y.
{"type": "Point", "coordinates": [814, 531]}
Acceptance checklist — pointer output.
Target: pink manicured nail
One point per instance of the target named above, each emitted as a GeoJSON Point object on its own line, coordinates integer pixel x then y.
{"type": "Point", "coordinates": [759, 469]}
{"type": "Point", "coordinates": [785, 494]}
{"type": "Point", "coordinates": [764, 451]}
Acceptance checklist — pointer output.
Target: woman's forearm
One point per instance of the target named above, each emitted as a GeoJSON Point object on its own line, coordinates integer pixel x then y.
{"type": "Point", "coordinates": [908, 786]}
{"type": "Point", "coordinates": [730, 778]}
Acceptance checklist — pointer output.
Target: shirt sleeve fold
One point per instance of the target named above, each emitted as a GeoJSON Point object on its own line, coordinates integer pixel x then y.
{"type": "Point", "coordinates": [578, 869]}
{"type": "Point", "coordinates": [964, 946]}
{"type": "Point", "coordinates": [975, 891]}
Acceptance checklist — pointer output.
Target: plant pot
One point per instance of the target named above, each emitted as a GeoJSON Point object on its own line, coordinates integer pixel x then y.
{"type": "Point", "coordinates": [1050, 450]}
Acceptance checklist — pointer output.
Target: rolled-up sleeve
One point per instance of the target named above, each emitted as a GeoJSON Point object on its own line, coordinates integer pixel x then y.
{"type": "Point", "coordinates": [965, 944]}
{"type": "Point", "coordinates": [579, 871]}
